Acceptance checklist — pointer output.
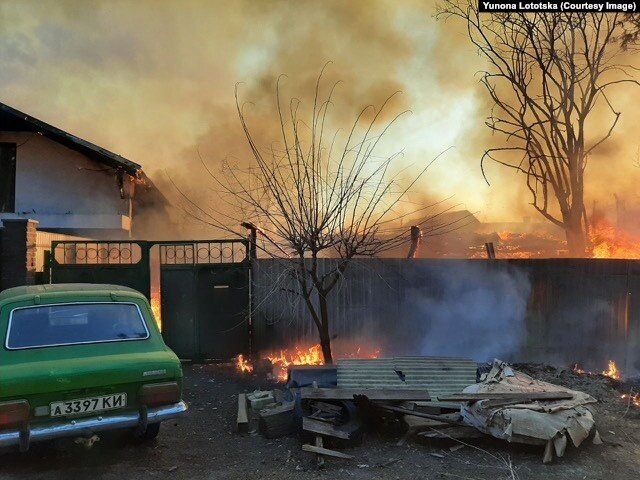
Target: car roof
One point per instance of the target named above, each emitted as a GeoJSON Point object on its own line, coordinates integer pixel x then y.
{"type": "Point", "coordinates": [33, 290]}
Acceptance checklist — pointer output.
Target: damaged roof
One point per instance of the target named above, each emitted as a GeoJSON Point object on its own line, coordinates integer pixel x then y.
{"type": "Point", "coordinates": [12, 120]}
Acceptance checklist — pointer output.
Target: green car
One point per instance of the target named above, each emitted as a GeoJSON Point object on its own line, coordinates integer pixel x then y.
{"type": "Point", "coordinates": [81, 358]}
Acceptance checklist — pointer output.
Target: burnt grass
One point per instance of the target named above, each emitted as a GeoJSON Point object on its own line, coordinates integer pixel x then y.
{"type": "Point", "coordinates": [204, 444]}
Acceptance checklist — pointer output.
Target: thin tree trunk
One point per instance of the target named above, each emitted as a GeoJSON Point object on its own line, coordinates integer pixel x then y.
{"type": "Point", "coordinates": [575, 234]}
{"type": "Point", "coordinates": [325, 338]}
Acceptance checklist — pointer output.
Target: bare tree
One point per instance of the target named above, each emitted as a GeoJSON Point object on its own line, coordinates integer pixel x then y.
{"type": "Point", "coordinates": [629, 30]}
{"type": "Point", "coordinates": [317, 195]}
{"type": "Point", "coordinates": [549, 76]}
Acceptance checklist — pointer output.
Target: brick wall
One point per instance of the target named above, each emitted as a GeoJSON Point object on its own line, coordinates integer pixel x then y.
{"type": "Point", "coordinates": [18, 253]}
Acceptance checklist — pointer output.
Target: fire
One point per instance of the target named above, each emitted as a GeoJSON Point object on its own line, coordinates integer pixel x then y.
{"type": "Point", "coordinates": [156, 309]}
{"type": "Point", "coordinates": [243, 365]}
{"type": "Point", "coordinates": [579, 370]}
{"type": "Point", "coordinates": [632, 398]}
{"type": "Point", "coordinates": [282, 359]}
{"type": "Point", "coordinates": [536, 243]}
{"type": "Point", "coordinates": [609, 242]}
{"type": "Point", "coordinates": [612, 371]}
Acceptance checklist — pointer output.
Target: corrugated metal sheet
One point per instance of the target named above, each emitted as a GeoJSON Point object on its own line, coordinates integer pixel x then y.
{"type": "Point", "coordinates": [438, 375]}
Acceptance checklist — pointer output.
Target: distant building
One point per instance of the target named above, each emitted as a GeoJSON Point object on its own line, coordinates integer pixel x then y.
{"type": "Point", "coordinates": [67, 184]}
{"type": "Point", "coordinates": [459, 234]}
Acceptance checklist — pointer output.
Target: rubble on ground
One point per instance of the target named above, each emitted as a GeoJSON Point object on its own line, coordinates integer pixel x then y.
{"type": "Point", "coordinates": [516, 408]}
{"type": "Point", "coordinates": [331, 406]}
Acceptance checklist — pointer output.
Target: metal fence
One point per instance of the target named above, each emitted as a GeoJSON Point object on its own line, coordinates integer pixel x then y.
{"type": "Point", "coordinates": [551, 310]}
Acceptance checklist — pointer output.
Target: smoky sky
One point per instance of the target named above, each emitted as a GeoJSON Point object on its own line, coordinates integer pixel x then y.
{"type": "Point", "coordinates": [154, 81]}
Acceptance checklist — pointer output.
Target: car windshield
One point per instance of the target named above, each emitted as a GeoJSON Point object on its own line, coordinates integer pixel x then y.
{"type": "Point", "coordinates": [68, 324]}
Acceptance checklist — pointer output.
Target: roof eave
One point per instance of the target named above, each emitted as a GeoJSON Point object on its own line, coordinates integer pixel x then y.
{"type": "Point", "coordinates": [75, 143]}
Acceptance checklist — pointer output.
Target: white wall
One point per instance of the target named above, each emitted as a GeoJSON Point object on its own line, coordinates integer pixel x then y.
{"type": "Point", "coordinates": [60, 187]}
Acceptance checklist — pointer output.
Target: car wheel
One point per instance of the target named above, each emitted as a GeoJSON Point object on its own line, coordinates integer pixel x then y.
{"type": "Point", "coordinates": [149, 433]}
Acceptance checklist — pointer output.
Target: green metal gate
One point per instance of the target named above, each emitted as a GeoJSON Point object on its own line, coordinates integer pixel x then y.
{"type": "Point", "coordinates": [200, 289]}
{"type": "Point", "coordinates": [205, 298]}
{"type": "Point", "coordinates": [120, 263]}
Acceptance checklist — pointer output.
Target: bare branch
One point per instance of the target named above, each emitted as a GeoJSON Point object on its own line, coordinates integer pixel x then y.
{"type": "Point", "coordinates": [547, 74]}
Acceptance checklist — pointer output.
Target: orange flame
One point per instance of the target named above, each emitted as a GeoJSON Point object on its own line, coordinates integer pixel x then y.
{"type": "Point", "coordinates": [612, 371]}
{"type": "Point", "coordinates": [632, 398]}
{"type": "Point", "coordinates": [609, 242]}
{"type": "Point", "coordinates": [579, 370]}
{"type": "Point", "coordinates": [282, 359]}
{"type": "Point", "coordinates": [536, 243]}
{"type": "Point", "coordinates": [155, 309]}
{"type": "Point", "coordinates": [243, 365]}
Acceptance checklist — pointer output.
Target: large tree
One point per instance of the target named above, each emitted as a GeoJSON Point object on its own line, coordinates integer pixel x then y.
{"type": "Point", "coordinates": [549, 79]}
{"type": "Point", "coordinates": [319, 192]}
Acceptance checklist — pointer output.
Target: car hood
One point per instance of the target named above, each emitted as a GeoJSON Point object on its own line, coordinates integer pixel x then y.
{"type": "Point", "coordinates": [54, 375]}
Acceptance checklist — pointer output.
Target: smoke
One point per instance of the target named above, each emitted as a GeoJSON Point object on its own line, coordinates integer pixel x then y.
{"type": "Point", "coordinates": [154, 82]}
{"type": "Point", "coordinates": [473, 310]}
{"type": "Point", "coordinates": [590, 323]}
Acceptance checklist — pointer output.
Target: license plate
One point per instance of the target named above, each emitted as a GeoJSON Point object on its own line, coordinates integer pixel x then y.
{"type": "Point", "coordinates": [86, 405]}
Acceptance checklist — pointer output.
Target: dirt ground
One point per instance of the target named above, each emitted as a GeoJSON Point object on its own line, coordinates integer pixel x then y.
{"type": "Point", "coordinates": [204, 445]}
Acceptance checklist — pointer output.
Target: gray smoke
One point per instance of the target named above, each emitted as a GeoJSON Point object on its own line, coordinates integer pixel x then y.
{"type": "Point", "coordinates": [474, 310]}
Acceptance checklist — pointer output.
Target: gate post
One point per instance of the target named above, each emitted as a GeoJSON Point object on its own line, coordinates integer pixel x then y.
{"type": "Point", "coordinates": [145, 261]}
{"type": "Point", "coordinates": [46, 271]}
{"type": "Point", "coordinates": [18, 252]}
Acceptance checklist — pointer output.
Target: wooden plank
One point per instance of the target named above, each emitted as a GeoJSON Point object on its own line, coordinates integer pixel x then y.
{"type": "Point", "coordinates": [474, 397]}
{"type": "Point", "coordinates": [243, 415]}
{"type": "Point", "coordinates": [319, 445]}
{"type": "Point", "coordinates": [453, 432]}
{"type": "Point", "coordinates": [317, 416]}
{"type": "Point", "coordinates": [325, 451]}
{"type": "Point", "coordinates": [416, 424]}
{"type": "Point", "coordinates": [496, 403]}
{"type": "Point", "coordinates": [447, 418]}
{"type": "Point", "coordinates": [372, 394]}
{"type": "Point", "coordinates": [434, 406]}
{"type": "Point", "coordinates": [322, 428]}
{"type": "Point", "coordinates": [330, 420]}
{"type": "Point", "coordinates": [327, 407]}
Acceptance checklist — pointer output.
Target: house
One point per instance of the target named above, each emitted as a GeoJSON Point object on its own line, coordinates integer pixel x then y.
{"type": "Point", "coordinates": [67, 184]}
